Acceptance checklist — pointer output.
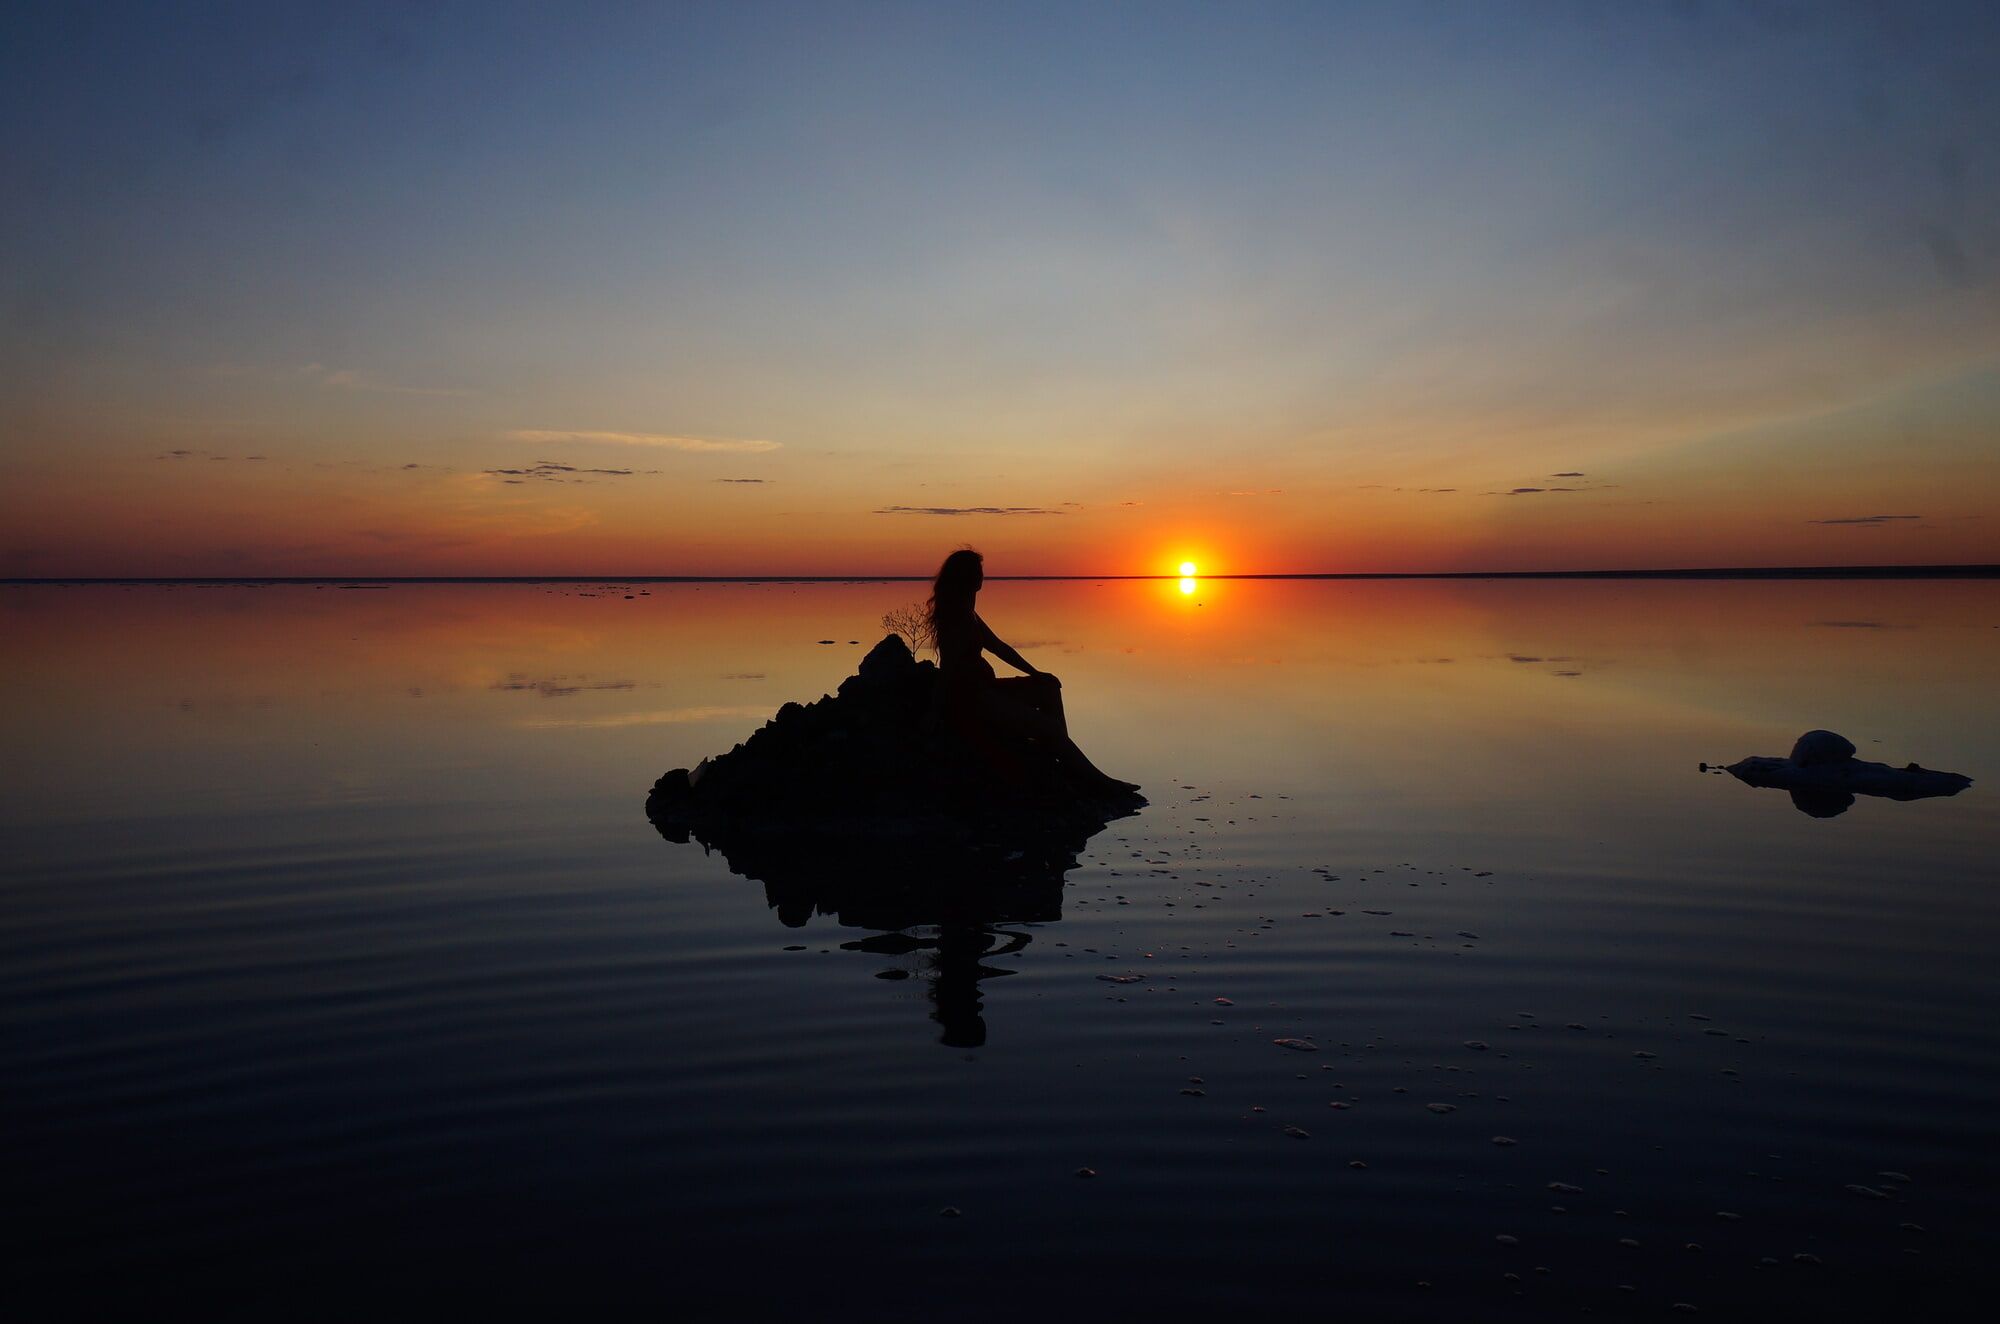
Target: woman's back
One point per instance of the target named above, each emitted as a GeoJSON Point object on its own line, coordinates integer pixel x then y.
{"type": "Point", "coordinates": [961, 637]}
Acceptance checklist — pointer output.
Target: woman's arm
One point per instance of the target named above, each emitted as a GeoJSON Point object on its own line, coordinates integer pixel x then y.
{"type": "Point", "coordinates": [997, 646]}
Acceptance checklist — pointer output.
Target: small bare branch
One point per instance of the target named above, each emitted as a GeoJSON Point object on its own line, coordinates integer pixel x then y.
{"type": "Point", "coordinates": [913, 623]}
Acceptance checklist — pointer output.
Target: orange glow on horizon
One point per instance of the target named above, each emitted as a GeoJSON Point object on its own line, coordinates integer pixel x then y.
{"type": "Point", "coordinates": [197, 517]}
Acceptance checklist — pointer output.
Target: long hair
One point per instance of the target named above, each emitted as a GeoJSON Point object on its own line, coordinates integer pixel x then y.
{"type": "Point", "coordinates": [957, 583]}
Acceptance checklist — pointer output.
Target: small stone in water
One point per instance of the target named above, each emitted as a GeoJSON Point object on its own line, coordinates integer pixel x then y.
{"type": "Point", "coordinates": [1121, 979]}
{"type": "Point", "coordinates": [1086, 1172]}
{"type": "Point", "coordinates": [1356, 1164]}
{"type": "Point", "coordinates": [1441, 1108]}
{"type": "Point", "coordinates": [1476, 1045]}
{"type": "Point", "coordinates": [1297, 1045]}
{"type": "Point", "coordinates": [949, 1211]}
{"type": "Point", "coordinates": [1505, 1140]}
{"type": "Point", "coordinates": [1565, 1188]}
{"type": "Point", "coordinates": [1506, 1240]}
{"type": "Point", "coordinates": [1867, 1192]}
{"type": "Point", "coordinates": [1804, 1258]}
{"type": "Point", "coordinates": [1298, 1133]}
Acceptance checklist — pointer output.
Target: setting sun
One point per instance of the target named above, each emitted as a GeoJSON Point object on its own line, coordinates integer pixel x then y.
{"type": "Point", "coordinates": [1187, 570]}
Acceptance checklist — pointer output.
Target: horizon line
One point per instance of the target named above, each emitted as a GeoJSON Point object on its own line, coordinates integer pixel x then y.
{"type": "Point", "coordinates": [1946, 571]}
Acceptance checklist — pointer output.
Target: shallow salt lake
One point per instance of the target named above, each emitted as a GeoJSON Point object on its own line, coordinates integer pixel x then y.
{"type": "Point", "coordinates": [341, 966]}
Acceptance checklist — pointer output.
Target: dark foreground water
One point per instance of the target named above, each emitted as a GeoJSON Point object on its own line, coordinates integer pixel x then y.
{"type": "Point", "coordinates": [341, 973]}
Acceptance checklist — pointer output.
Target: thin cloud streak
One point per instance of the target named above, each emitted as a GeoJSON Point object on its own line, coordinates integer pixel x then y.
{"type": "Point", "coordinates": [661, 717]}
{"type": "Point", "coordinates": [967, 510]}
{"type": "Point", "coordinates": [350, 379]}
{"type": "Point", "coordinates": [663, 440]}
{"type": "Point", "coordinates": [552, 472]}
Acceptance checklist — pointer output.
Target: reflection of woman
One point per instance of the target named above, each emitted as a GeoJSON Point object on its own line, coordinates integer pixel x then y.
{"type": "Point", "coordinates": [1003, 720]}
{"type": "Point", "coordinates": [956, 972]}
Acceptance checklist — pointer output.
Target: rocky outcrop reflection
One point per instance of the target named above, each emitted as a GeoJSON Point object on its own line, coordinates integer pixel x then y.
{"type": "Point", "coordinates": [855, 807]}
{"type": "Point", "coordinates": [950, 910]}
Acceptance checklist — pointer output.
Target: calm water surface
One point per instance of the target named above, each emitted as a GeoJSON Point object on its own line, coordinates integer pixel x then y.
{"type": "Point", "coordinates": [342, 969]}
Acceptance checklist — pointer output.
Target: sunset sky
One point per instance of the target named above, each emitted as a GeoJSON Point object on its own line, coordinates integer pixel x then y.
{"type": "Point", "coordinates": [829, 289]}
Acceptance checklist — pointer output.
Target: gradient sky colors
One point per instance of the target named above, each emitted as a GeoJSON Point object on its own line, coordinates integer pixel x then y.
{"type": "Point", "coordinates": [492, 289]}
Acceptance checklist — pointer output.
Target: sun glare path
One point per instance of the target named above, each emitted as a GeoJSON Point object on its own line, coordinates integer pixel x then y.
{"type": "Point", "coordinates": [1187, 584]}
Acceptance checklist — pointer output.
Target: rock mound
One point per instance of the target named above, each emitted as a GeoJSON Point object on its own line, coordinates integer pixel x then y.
{"type": "Point", "coordinates": [1815, 748]}
{"type": "Point", "coordinates": [861, 767]}
{"type": "Point", "coordinates": [1824, 776]}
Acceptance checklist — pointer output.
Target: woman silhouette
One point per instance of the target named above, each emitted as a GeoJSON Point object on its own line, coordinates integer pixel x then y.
{"type": "Point", "coordinates": [1004, 720]}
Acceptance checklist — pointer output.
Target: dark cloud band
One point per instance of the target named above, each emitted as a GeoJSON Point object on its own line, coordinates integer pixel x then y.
{"type": "Point", "coordinates": [966, 510]}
